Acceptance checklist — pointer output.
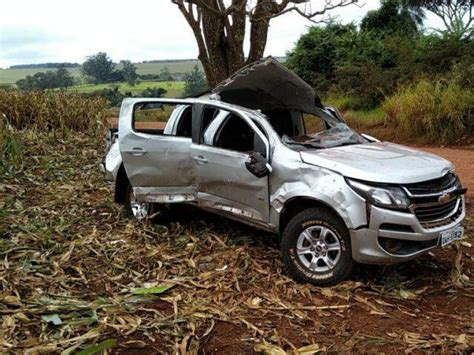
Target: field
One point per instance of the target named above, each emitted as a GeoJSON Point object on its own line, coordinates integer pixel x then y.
{"type": "Point", "coordinates": [76, 271]}
{"type": "Point", "coordinates": [173, 88]}
{"type": "Point", "coordinates": [11, 76]}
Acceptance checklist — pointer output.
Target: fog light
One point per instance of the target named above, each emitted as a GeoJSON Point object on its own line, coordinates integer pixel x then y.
{"type": "Point", "coordinates": [391, 245]}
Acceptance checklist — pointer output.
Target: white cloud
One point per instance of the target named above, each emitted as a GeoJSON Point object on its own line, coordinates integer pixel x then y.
{"type": "Point", "coordinates": [57, 30]}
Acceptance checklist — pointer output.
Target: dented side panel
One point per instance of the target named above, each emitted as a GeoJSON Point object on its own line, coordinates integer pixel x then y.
{"type": "Point", "coordinates": [292, 178]}
{"type": "Point", "coordinates": [224, 183]}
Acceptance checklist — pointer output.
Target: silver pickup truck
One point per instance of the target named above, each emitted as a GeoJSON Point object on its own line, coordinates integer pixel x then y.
{"type": "Point", "coordinates": [262, 149]}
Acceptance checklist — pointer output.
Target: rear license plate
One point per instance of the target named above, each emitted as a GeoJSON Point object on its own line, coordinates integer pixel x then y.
{"type": "Point", "coordinates": [451, 235]}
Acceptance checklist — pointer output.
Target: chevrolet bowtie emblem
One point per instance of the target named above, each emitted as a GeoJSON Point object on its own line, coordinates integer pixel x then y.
{"type": "Point", "coordinates": [444, 198]}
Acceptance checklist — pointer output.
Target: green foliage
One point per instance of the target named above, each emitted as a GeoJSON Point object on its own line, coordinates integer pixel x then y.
{"type": "Point", "coordinates": [195, 82]}
{"type": "Point", "coordinates": [98, 68]}
{"type": "Point", "coordinates": [437, 55]}
{"type": "Point", "coordinates": [432, 111]}
{"type": "Point", "coordinates": [11, 155]}
{"type": "Point", "coordinates": [129, 72]}
{"type": "Point", "coordinates": [369, 64]}
{"type": "Point", "coordinates": [113, 95]}
{"type": "Point", "coordinates": [394, 17]}
{"type": "Point", "coordinates": [318, 52]}
{"type": "Point", "coordinates": [61, 78]}
{"type": "Point", "coordinates": [153, 92]}
{"type": "Point", "coordinates": [165, 74]}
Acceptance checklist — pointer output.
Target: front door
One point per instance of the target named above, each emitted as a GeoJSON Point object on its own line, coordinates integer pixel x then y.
{"type": "Point", "coordinates": [223, 181]}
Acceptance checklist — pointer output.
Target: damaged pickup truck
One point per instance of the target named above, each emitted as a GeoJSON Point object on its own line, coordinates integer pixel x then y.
{"type": "Point", "coordinates": [262, 149]}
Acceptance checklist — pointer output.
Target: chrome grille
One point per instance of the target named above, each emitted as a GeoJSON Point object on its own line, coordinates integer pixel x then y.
{"type": "Point", "coordinates": [433, 212]}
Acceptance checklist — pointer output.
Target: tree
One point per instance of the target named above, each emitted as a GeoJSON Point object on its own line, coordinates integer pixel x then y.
{"type": "Point", "coordinates": [153, 92]}
{"type": "Point", "coordinates": [165, 74]}
{"type": "Point", "coordinates": [129, 72]}
{"type": "Point", "coordinates": [457, 15]}
{"type": "Point", "coordinates": [64, 78]}
{"type": "Point", "coordinates": [318, 52]}
{"type": "Point", "coordinates": [98, 68]}
{"type": "Point", "coordinates": [219, 27]}
{"type": "Point", "coordinates": [394, 17]}
{"type": "Point", "coordinates": [61, 78]}
{"type": "Point", "coordinates": [195, 82]}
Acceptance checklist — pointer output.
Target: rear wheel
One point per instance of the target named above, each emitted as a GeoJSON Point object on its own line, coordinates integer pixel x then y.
{"type": "Point", "coordinates": [138, 210]}
{"type": "Point", "coordinates": [316, 247]}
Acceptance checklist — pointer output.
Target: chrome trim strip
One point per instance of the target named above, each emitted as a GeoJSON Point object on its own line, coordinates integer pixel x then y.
{"type": "Point", "coordinates": [413, 207]}
{"type": "Point", "coordinates": [448, 191]}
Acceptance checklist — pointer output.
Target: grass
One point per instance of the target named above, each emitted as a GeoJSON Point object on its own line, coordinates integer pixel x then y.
{"type": "Point", "coordinates": [173, 88]}
{"type": "Point", "coordinates": [11, 76]}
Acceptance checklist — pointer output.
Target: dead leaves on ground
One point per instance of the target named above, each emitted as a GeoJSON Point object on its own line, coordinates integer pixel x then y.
{"type": "Point", "coordinates": [77, 275]}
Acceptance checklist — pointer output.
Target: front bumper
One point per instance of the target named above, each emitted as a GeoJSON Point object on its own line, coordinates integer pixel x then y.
{"type": "Point", "coordinates": [400, 227]}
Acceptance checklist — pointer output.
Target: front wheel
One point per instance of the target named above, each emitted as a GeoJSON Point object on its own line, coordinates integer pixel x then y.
{"type": "Point", "coordinates": [316, 248]}
{"type": "Point", "coordinates": [136, 209]}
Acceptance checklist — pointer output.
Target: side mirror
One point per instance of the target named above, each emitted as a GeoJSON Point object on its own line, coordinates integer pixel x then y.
{"type": "Point", "coordinates": [258, 165]}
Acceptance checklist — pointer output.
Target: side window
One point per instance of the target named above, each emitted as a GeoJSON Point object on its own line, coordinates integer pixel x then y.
{"type": "Point", "coordinates": [152, 117]}
{"type": "Point", "coordinates": [236, 134]}
{"type": "Point", "coordinates": [185, 123]}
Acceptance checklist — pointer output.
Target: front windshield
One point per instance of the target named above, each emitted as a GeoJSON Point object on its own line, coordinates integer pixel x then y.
{"type": "Point", "coordinates": [322, 129]}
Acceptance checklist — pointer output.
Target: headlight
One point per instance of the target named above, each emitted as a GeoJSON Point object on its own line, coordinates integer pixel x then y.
{"type": "Point", "coordinates": [388, 197]}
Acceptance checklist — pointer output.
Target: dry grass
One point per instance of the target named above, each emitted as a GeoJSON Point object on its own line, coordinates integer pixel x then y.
{"type": "Point", "coordinates": [75, 272]}
{"type": "Point", "coordinates": [52, 111]}
{"type": "Point", "coordinates": [431, 112]}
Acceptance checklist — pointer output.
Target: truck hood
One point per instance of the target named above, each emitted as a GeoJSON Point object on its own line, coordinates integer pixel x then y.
{"type": "Point", "coordinates": [379, 162]}
{"type": "Point", "coordinates": [267, 85]}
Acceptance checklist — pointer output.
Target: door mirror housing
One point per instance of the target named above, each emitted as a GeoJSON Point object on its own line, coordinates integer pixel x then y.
{"type": "Point", "coordinates": [258, 165]}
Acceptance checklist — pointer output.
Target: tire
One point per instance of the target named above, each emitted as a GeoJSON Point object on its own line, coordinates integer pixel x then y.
{"type": "Point", "coordinates": [140, 211]}
{"type": "Point", "coordinates": [324, 245]}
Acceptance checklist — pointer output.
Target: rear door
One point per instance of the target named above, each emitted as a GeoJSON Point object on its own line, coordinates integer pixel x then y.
{"type": "Point", "coordinates": [223, 181]}
{"type": "Point", "coordinates": [157, 159]}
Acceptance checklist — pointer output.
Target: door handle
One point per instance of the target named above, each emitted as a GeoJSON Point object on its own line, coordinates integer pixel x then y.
{"type": "Point", "coordinates": [200, 159]}
{"type": "Point", "coordinates": [136, 151]}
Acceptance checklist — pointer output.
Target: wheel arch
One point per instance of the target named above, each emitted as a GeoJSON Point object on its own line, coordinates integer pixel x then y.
{"type": "Point", "coordinates": [298, 204]}
{"type": "Point", "coordinates": [121, 184]}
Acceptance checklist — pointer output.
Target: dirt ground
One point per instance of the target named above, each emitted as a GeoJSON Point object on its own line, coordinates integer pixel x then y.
{"type": "Point", "coordinates": [75, 273]}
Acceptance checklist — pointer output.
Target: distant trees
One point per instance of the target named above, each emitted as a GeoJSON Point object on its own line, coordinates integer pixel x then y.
{"type": "Point", "coordinates": [153, 92]}
{"type": "Point", "coordinates": [129, 72]}
{"type": "Point", "coordinates": [165, 74]}
{"type": "Point", "coordinates": [195, 82]}
{"type": "Point", "coordinates": [45, 65]}
{"type": "Point", "coordinates": [61, 78]}
{"type": "Point", "coordinates": [98, 68]}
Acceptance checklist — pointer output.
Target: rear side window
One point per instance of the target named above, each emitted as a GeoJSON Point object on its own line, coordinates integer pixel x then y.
{"type": "Point", "coordinates": [152, 117]}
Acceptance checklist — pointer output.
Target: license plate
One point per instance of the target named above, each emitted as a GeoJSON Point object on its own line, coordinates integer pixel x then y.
{"type": "Point", "coordinates": [450, 236]}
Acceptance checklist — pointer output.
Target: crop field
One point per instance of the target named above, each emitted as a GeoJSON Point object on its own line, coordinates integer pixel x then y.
{"type": "Point", "coordinates": [173, 88]}
{"type": "Point", "coordinates": [76, 273]}
{"type": "Point", "coordinates": [11, 76]}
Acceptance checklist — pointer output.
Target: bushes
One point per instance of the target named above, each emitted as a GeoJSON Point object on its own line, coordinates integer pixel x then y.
{"type": "Point", "coordinates": [432, 112]}
{"type": "Point", "coordinates": [54, 110]}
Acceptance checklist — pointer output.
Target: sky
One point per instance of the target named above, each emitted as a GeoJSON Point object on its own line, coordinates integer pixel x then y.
{"type": "Point", "coordinates": [34, 31]}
